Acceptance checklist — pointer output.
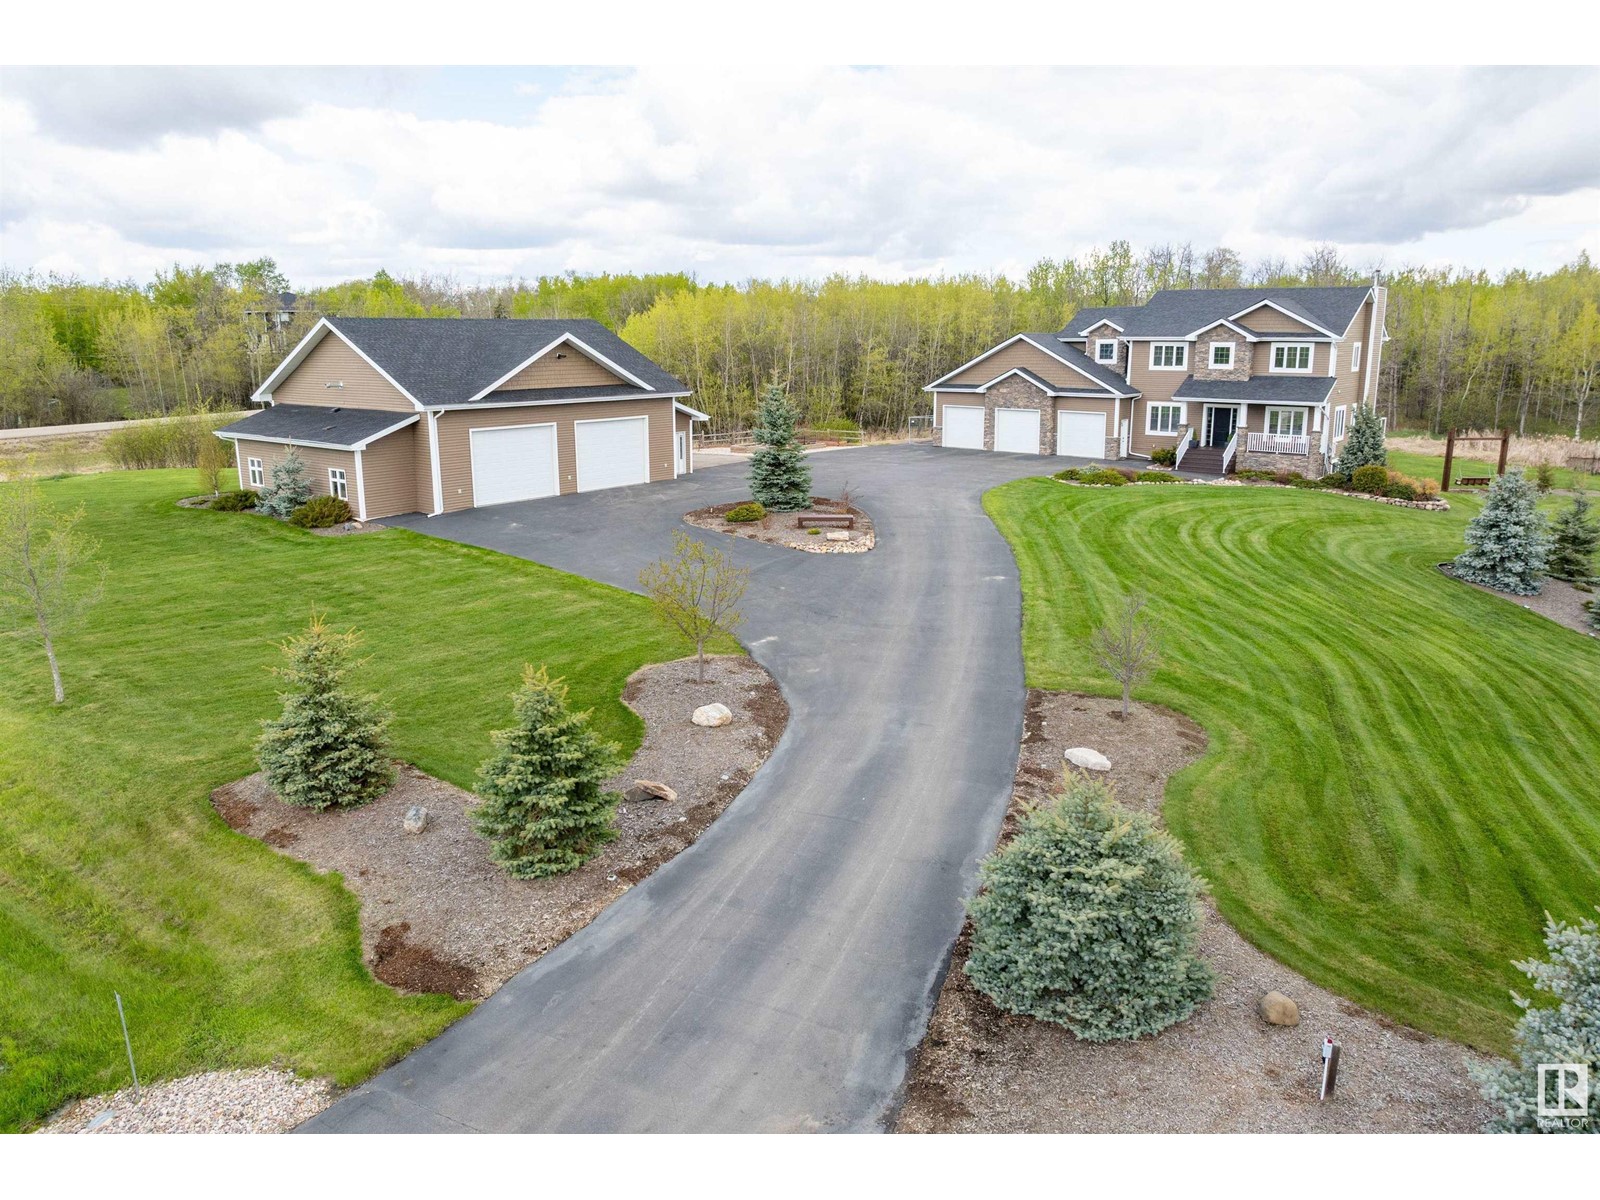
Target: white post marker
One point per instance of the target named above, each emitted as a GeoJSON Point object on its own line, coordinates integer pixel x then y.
{"type": "Point", "coordinates": [1330, 1067]}
{"type": "Point", "coordinates": [128, 1042]}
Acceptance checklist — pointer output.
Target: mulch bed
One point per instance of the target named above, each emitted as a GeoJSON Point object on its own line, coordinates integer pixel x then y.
{"type": "Point", "coordinates": [438, 915]}
{"type": "Point", "coordinates": [1557, 600]}
{"type": "Point", "coordinates": [1225, 1070]}
{"type": "Point", "coordinates": [783, 529]}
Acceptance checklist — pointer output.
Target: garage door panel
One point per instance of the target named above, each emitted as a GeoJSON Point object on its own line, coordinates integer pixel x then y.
{"type": "Point", "coordinates": [612, 453]}
{"type": "Point", "coordinates": [1081, 434]}
{"type": "Point", "coordinates": [513, 463]}
{"type": "Point", "coordinates": [963, 427]}
{"type": "Point", "coordinates": [1016, 430]}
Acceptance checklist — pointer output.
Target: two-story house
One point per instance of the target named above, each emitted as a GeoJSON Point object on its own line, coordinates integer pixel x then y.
{"type": "Point", "coordinates": [1230, 377]}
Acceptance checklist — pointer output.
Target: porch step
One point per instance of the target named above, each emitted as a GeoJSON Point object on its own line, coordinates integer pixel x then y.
{"type": "Point", "coordinates": [1203, 459]}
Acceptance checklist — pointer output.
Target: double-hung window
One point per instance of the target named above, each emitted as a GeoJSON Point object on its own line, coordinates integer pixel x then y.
{"type": "Point", "coordinates": [1221, 356]}
{"type": "Point", "coordinates": [1292, 356]}
{"type": "Point", "coordinates": [1164, 418]}
{"type": "Point", "coordinates": [1290, 421]}
{"type": "Point", "coordinates": [336, 483]}
{"type": "Point", "coordinates": [1169, 356]}
{"type": "Point", "coordinates": [258, 476]}
{"type": "Point", "coordinates": [1105, 350]}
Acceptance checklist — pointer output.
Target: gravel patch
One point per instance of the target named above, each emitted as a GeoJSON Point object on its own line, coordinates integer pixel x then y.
{"type": "Point", "coordinates": [783, 529]}
{"type": "Point", "coordinates": [438, 915]}
{"type": "Point", "coordinates": [261, 1101]}
{"type": "Point", "coordinates": [1225, 1070]}
{"type": "Point", "coordinates": [1557, 600]}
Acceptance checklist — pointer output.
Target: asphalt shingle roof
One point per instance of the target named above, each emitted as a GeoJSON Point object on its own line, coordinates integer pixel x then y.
{"type": "Point", "coordinates": [627, 391]}
{"type": "Point", "coordinates": [1051, 343]}
{"type": "Point", "coordinates": [1180, 312]}
{"type": "Point", "coordinates": [346, 427]}
{"type": "Point", "coordinates": [1259, 389]}
{"type": "Point", "coordinates": [447, 360]}
{"type": "Point", "coordinates": [1088, 318]}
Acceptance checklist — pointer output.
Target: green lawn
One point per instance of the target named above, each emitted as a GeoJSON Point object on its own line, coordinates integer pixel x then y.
{"type": "Point", "coordinates": [114, 871]}
{"type": "Point", "coordinates": [1431, 466]}
{"type": "Point", "coordinates": [1404, 772]}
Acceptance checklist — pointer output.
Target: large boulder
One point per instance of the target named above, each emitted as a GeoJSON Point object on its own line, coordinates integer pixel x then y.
{"type": "Point", "coordinates": [712, 715]}
{"type": "Point", "coordinates": [1277, 1009]}
{"type": "Point", "coordinates": [1087, 759]}
{"type": "Point", "coordinates": [648, 789]}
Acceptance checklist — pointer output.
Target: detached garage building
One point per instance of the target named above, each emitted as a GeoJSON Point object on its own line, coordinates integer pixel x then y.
{"type": "Point", "coordinates": [399, 415]}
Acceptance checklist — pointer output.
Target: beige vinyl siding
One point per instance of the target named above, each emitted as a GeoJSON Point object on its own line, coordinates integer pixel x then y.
{"type": "Point", "coordinates": [1028, 356]}
{"type": "Point", "coordinates": [422, 464]}
{"type": "Point", "coordinates": [1155, 385]}
{"type": "Point", "coordinates": [333, 361]}
{"type": "Point", "coordinates": [455, 445]}
{"type": "Point", "coordinates": [1140, 442]}
{"type": "Point", "coordinates": [317, 463]}
{"type": "Point", "coordinates": [388, 474]}
{"type": "Point", "coordinates": [575, 370]}
{"type": "Point", "coordinates": [1266, 319]}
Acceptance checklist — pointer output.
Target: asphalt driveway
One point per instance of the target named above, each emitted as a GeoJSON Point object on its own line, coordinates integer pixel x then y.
{"type": "Point", "coordinates": [777, 974]}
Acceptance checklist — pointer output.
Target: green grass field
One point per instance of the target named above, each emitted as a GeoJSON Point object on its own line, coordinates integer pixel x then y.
{"type": "Point", "coordinates": [115, 874]}
{"type": "Point", "coordinates": [1404, 772]}
{"type": "Point", "coordinates": [1431, 466]}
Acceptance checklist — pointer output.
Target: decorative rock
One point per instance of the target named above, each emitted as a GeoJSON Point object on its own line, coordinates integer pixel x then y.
{"type": "Point", "coordinates": [649, 789]}
{"type": "Point", "coordinates": [713, 715]}
{"type": "Point", "coordinates": [1087, 759]}
{"type": "Point", "coordinates": [838, 535]}
{"type": "Point", "coordinates": [1278, 1009]}
{"type": "Point", "coordinates": [416, 819]}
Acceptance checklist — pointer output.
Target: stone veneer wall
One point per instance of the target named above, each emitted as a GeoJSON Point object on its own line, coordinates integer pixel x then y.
{"type": "Point", "coordinates": [1310, 465]}
{"type": "Point", "coordinates": [1201, 352]}
{"type": "Point", "coordinates": [1102, 332]}
{"type": "Point", "coordinates": [1019, 393]}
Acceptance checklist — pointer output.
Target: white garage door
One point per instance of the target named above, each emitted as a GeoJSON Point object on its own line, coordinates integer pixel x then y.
{"type": "Point", "coordinates": [963, 427]}
{"type": "Point", "coordinates": [1017, 430]}
{"type": "Point", "coordinates": [1081, 434]}
{"type": "Point", "coordinates": [613, 453]}
{"type": "Point", "coordinates": [513, 464]}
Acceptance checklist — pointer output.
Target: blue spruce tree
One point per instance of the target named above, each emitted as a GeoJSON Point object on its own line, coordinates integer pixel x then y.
{"type": "Point", "coordinates": [780, 477]}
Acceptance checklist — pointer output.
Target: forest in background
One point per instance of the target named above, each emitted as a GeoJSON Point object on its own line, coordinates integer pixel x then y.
{"type": "Point", "coordinates": [1467, 349]}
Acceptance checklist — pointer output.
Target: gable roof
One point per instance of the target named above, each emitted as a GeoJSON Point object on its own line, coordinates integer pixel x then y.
{"type": "Point", "coordinates": [1099, 377]}
{"type": "Point", "coordinates": [446, 361]}
{"type": "Point", "coordinates": [1179, 313]}
{"type": "Point", "coordinates": [317, 425]}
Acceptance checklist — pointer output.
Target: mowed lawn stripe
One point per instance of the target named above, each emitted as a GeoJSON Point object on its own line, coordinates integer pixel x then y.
{"type": "Point", "coordinates": [114, 871]}
{"type": "Point", "coordinates": [1402, 775]}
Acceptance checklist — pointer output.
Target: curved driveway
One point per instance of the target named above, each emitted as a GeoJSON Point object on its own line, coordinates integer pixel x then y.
{"type": "Point", "coordinates": [777, 974]}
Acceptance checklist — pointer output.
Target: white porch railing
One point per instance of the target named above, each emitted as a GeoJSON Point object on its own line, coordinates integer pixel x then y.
{"type": "Point", "coordinates": [1228, 452]}
{"type": "Point", "coordinates": [1183, 447]}
{"type": "Point", "coordinates": [1278, 443]}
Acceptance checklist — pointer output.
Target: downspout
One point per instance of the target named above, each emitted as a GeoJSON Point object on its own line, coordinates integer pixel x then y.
{"type": "Point", "coordinates": [361, 491]}
{"type": "Point", "coordinates": [433, 461]}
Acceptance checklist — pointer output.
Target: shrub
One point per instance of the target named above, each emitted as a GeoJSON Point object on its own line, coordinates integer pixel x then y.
{"type": "Point", "coordinates": [1544, 475]}
{"type": "Point", "coordinates": [1071, 474]}
{"type": "Point", "coordinates": [1255, 474]}
{"type": "Point", "coordinates": [321, 512]}
{"type": "Point", "coordinates": [750, 510]}
{"type": "Point", "coordinates": [211, 456]}
{"type": "Point", "coordinates": [1400, 489]}
{"type": "Point", "coordinates": [544, 812]}
{"type": "Point", "coordinates": [1428, 487]}
{"type": "Point", "coordinates": [329, 747]}
{"type": "Point", "coordinates": [813, 531]}
{"type": "Point", "coordinates": [1303, 482]}
{"type": "Point", "coordinates": [1089, 917]}
{"type": "Point", "coordinates": [241, 501]}
{"type": "Point", "coordinates": [1371, 479]}
{"type": "Point", "coordinates": [289, 488]}
{"type": "Point", "coordinates": [1336, 479]}
{"type": "Point", "coordinates": [836, 425]}
{"type": "Point", "coordinates": [1127, 473]}
{"type": "Point", "coordinates": [1158, 477]}
{"type": "Point", "coordinates": [1104, 477]}
{"type": "Point", "coordinates": [1164, 456]}
{"type": "Point", "coordinates": [1576, 540]}
{"type": "Point", "coordinates": [1508, 543]}
{"type": "Point", "coordinates": [1567, 1032]}
{"type": "Point", "coordinates": [1594, 614]}
{"type": "Point", "coordinates": [170, 442]}
{"type": "Point", "coordinates": [1287, 478]}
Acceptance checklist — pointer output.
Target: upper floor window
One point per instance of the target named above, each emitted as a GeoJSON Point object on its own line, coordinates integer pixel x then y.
{"type": "Point", "coordinates": [1221, 356]}
{"type": "Point", "coordinates": [1169, 356]}
{"type": "Point", "coordinates": [257, 475]}
{"type": "Point", "coordinates": [1164, 418]}
{"type": "Point", "coordinates": [336, 484]}
{"type": "Point", "coordinates": [1291, 356]}
{"type": "Point", "coordinates": [1105, 350]}
{"type": "Point", "coordinates": [1355, 357]}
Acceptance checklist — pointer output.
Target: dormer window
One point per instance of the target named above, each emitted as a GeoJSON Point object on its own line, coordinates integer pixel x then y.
{"type": "Point", "coordinates": [1221, 356]}
{"type": "Point", "coordinates": [1105, 350]}
{"type": "Point", "coordinates": [1169, 356]}
{"type": "Point", "coordinates": [1292, 357]}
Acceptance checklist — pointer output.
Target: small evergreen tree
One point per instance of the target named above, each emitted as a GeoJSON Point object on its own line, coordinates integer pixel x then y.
{"type": "Point", "coordinates": [543, 808]}
{"type": "Point", "coordinates": [780, 477]}
{"type": "Point", "coordinates": [1594, 614]}
{"type": "Point", "coordinates": [1576, 540]}
{"type": "Point", "coordinates": [1508, 543]}
{"type": "Point", "coordinates": [1363, 446]}
{"type": "Point", "coordinates": [1569, 1032]}
{"type": "Point", "coordinates": [329, 748]}
{"type": "Point", "coordinates": [1089, 917]}
{"type": "Point", "coordinates": [289, 489]}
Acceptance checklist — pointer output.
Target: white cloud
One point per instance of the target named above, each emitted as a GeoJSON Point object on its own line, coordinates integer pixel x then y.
{"type": "Point", "coordinates": [802, 172]}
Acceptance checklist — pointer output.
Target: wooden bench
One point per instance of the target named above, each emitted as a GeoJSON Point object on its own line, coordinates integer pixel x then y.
{"type": "Point", "coordinates": [826, 521]}
{"type": "Point", "coordinates": [1473, 481]}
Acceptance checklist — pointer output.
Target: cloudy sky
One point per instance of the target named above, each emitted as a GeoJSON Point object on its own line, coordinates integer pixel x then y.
{"type": "Point", "coordinates": [488, 172]}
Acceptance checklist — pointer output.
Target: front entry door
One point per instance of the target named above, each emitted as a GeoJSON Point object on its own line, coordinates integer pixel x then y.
{"type": "Point", "coordinates": [1223, 421]}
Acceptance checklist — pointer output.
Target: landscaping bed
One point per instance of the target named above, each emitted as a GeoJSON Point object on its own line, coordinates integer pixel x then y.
{"type": "Point", "coordinates": [439, 915]}
{"type": "Point", "coordinates": [267, 1100]}
{"type": "Point", "coordinates": [1225, 1070]}
{"type": "Point", "coordinates": [783, 529]}
{"type": "Point", "coordinates": [1557, 600]}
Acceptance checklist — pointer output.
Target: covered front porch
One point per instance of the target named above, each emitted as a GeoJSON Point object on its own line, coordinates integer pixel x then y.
{"type": "Point", "coordinates": [1262, 423]}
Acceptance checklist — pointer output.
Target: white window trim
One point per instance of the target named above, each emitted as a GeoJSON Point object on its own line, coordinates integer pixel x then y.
{"type": "Point", "coordinates": [1355, 358]}
{"type": "Point", "coordinates": [1112, 342]}
{"type": "Point", "coordinates": [1266, 423]}
{"type": "Point", "coordinates": [1149, 417]}
{"type": "Point", "coordinates": [339, 483]}
{"type": "Point", "coordinates": [1338, 422]}
{"type": "Point", "coordinates": [1183, 366]}
{"type": "Point", "coordinates": [1311, 358]}
{"type": "Point", "coordinates": [1233, 356]}
{"type": "Point", "coordinates": [257, 471]}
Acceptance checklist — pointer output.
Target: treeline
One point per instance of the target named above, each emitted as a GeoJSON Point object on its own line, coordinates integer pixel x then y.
{"type": "Point", "coordinates": [1519, 349]}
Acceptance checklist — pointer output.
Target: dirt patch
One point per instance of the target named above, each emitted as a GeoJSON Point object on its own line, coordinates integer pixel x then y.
{"type": "Point", "coordinates": [438, 915]}
{"type": "Point", "coordinates": [783, 529]}
{"type": "Point", "coordinates": [981, 1070]}
{"type": "Point", "coordinates": [1558, 600]}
